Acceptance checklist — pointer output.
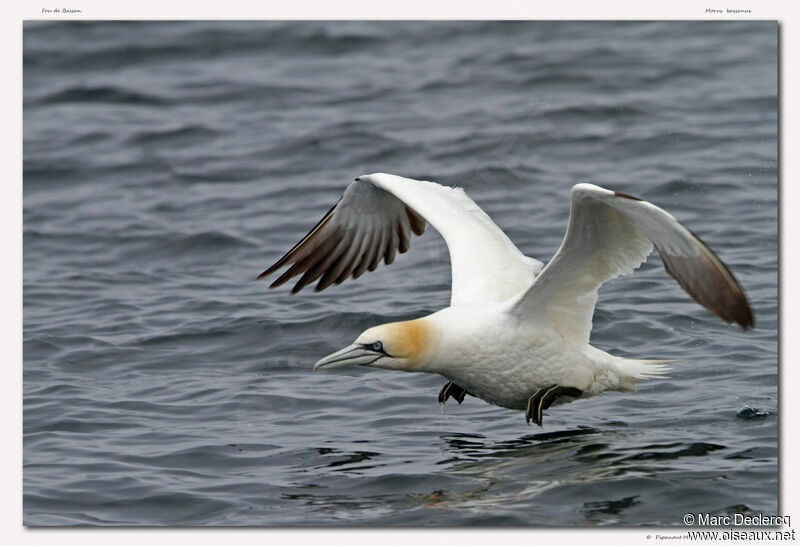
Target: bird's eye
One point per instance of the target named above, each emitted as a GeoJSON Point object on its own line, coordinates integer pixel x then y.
{"type": "Point", "coordinates": [377, 347]}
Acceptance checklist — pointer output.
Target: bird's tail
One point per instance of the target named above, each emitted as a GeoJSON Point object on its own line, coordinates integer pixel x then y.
{"type": "Point", "coordinates": [631, 370]}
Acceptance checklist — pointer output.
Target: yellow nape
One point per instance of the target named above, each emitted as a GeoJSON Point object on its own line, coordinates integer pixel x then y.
{"type": "Point", "coordinates": [409, 339]}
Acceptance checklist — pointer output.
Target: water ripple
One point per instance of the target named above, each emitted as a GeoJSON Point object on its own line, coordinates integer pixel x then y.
{"type": "Point", "coordinates": [166, 164]}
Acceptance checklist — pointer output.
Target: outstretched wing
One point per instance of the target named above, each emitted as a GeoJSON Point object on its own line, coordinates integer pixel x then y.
{"type": "Point", "coordinates": [611, 234]}
{"type": "Point", "coordinates": [374, 219]}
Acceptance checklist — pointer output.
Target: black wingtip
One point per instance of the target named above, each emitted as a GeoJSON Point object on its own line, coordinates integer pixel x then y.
{"type": "Point", "coordinates": [736, 308]}
{"type": "Point", "coordinates": [746, 321]}
{"type": "Point", "coordinates": [274, 267]}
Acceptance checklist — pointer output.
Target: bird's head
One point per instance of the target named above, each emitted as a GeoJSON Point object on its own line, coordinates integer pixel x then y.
{"type": "Point", "coordinates": [403, 346]}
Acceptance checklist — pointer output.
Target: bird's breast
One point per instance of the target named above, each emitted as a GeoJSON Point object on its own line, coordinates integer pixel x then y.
{"type": "Point", "coordinates": [508, 370]}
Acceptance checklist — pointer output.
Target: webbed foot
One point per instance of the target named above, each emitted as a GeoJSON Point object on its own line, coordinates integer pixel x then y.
{"type": "Point", "coordinates": [544, 398]}
{"type": "Point", "coordinates": [451, 389]}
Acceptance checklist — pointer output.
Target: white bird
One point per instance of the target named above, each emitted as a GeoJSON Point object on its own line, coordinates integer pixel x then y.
{"type": "Point", "coordinates": [516, 333]}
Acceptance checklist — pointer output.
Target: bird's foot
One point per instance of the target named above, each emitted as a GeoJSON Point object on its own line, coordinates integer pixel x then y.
{"type": "Point", "coordinates": [544, 398]}
{"type": "Point", "coordinates": [451, 389]}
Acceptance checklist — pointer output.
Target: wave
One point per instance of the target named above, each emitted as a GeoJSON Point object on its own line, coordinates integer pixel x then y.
{"type": "Point", "coordinates": [102, 94]}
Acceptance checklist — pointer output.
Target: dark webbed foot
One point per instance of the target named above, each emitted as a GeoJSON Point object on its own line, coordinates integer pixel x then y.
{"type": "Point", "coordinates": [544, 398]}
{"type": "Point", "coordinates": [451, 389]}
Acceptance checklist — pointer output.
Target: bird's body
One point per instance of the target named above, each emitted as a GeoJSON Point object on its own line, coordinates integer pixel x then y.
{"type": "Point", "coordinates": [485, 350]}
{"type": "Point", "coordinates": [516, 333]}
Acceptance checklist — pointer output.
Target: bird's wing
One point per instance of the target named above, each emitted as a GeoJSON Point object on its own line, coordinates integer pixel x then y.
{"type": "Point", "coordinates": [611, 234]}
{"type": "Point", "coordinates": [373, 220]}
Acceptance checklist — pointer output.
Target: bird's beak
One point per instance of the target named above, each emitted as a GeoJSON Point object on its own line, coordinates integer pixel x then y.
{"type": "Point", "coordinates": [353, 355]}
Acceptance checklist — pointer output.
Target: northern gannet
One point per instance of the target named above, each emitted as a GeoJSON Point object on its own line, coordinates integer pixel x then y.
{"type": "Point", "coordinates": [516, 333]}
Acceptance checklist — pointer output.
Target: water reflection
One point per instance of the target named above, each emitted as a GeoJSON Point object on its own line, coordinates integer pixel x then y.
{"type": "Point", "coordinates": [519, 469]}
{"type": "Point", "coordinates": [582, 475]}
{"type": "Point", "coordinates": [531, 469]}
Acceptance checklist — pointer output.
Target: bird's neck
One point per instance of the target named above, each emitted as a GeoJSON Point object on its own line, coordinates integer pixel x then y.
{"type": "Point", "coordinates": [414, 341]}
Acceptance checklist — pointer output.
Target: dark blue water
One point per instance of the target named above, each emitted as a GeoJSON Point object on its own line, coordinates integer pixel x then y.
{"type": "Point", "coordinates": [167, 164]}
